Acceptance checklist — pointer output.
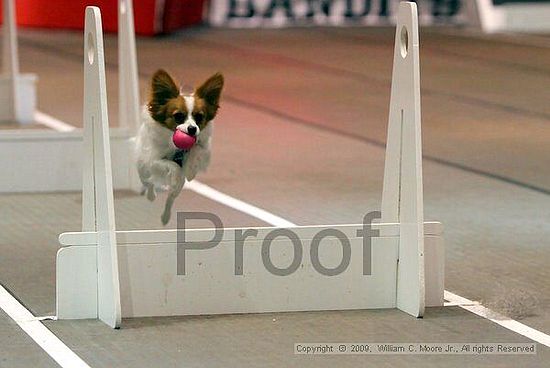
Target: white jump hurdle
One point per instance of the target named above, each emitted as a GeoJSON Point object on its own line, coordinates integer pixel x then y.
{"type": "Point", "coordinates": [40, 160]}
{"type": "Point", "coordinates": [108, 274]}
{"type": "Point", "coordinates": [17, 91]}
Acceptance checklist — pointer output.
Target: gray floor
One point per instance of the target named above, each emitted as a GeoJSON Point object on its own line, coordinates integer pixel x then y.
{"type": "Point", "coordinates": [301, 134]}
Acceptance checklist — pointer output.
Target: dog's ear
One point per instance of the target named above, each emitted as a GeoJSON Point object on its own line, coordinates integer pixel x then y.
{"type": "Point", "coordinates": [163, 86]}
{"type": "Point", "coordinates": [210, 91]}
{"type": "Point", "coordinates": [163, 89]}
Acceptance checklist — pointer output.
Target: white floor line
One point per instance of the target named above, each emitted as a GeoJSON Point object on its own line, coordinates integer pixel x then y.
{"type": "Point", "coordinates": [33, 327]}
{"type": "Point", "coordinates": [51, 122]}
{"type": "Point", "coordinates": [30, 324]}
{"type": "Point", "coordinates": [453, 299]}
{"type": "Point", "coordinates": [498, 318]}
{"type": "Point", "coordinates": [237, 204]}
{"type": "Point", "coordinates": [452, 304]}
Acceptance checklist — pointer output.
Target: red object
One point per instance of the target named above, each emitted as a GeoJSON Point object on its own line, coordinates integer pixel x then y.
{"type": "Point", "coordinates": [182, 13]}
{"type": "Point", "coordinates": [150, 16]}
{"type": "Point", "coordinates": [182, 140]}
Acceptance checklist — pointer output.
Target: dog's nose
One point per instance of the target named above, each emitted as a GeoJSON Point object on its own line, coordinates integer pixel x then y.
{"type": "Point", "coordinates": [191, 130]}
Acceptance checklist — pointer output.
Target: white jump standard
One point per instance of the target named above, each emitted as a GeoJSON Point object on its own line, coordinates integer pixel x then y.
{"type": "Point", "coordinates": [48, 160]}
{"type": "Point", "coordinates": [108, 274]}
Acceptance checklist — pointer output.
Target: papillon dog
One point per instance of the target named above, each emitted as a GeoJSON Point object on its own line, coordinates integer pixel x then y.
{"type": "Point", "coordinates": [161, 165]}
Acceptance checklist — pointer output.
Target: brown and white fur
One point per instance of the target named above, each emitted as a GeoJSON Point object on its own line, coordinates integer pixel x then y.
{"type": "Point", "coordinates": [166, 111]}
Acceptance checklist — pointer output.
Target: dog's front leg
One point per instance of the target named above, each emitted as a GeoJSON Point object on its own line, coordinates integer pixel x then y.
{"type": "Point", "coordinates": [198, 160]}
{"type": "Point", "coordinates": [172, 194]}
{"type": "Point", "coordinates": [174, 178]}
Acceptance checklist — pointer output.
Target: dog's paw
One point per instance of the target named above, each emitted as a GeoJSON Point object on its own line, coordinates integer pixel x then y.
{"type": "Point", "coordinates": [190, 174]}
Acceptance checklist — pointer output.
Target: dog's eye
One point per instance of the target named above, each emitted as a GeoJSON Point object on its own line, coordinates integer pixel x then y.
{"type": "Point", "coordinates": [199, 117]}
{"type": "Point", "coordinates": [179, 117]}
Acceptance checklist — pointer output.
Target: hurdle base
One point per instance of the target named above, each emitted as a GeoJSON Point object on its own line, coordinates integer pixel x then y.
{"type": "Point", "coordinates": [150, 285]}
{"type": "Point", "coordinates": [26, 99]}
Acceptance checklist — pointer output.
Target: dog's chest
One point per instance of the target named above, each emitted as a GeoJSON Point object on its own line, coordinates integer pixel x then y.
{"type": "Point", "coordinates": [180, 157]}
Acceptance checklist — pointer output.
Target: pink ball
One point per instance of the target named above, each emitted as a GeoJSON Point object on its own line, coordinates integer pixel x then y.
{"type": "Point", "coordinates": [182, 140]}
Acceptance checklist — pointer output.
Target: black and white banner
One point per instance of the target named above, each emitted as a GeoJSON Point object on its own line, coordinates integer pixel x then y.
{"type": "Point", "coordinates": [283, 13]}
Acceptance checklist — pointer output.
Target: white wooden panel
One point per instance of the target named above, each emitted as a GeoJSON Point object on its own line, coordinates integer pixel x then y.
{"type": "Point", "coordinates": [48, 161]}
{"type": "Point", "coordinates": [402, 200]}
{"type": "Point", "coordinates": [150, 286]}
{"type": "Point", "coordinates": [97, 192]}
{"type": "Point", "coordinates": [434, 266]}
{"type": "Point", "coordinates": [76, 283]}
